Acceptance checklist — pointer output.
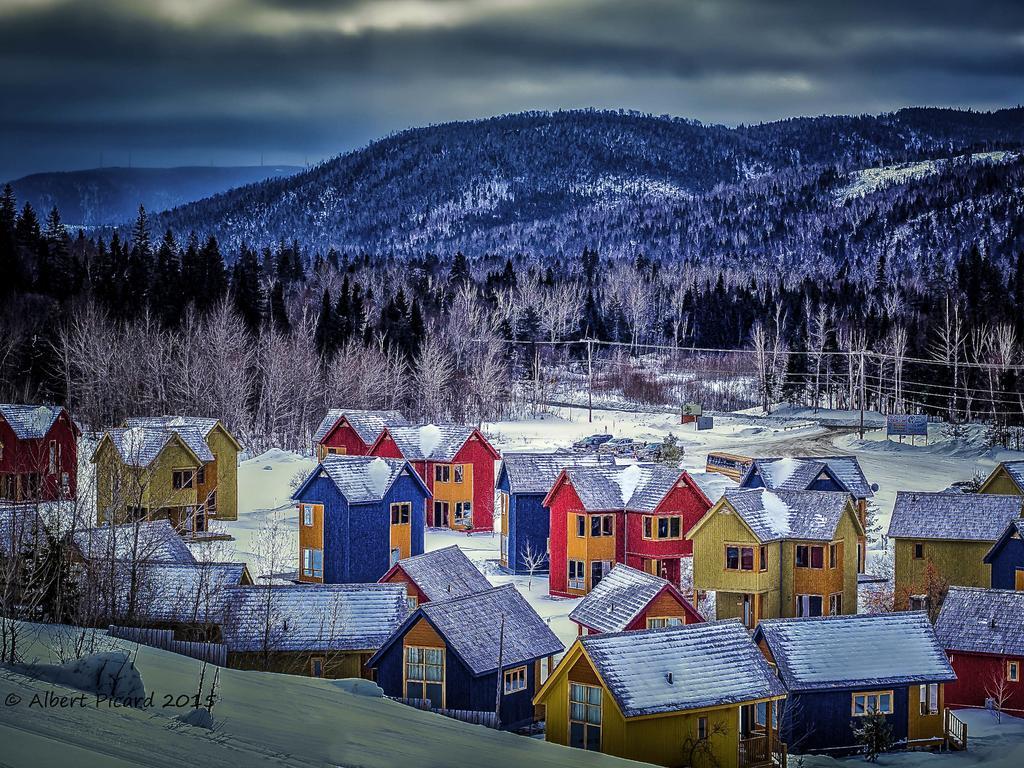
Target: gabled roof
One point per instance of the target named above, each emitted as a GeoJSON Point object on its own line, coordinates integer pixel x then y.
{"type": "Point", "coordinates": [141, 446]}
{"type": "Point", "coordinates": [975, 620]}
{"type": "Point", "coordinates": [203, 424]}
{"type": "Point", "coordinates": [367, 424]}
{"type": "Point", "coordinates": [32, 422]}
{"type": "Point", "coordinates": [781, 515]}
{"type": "Point", "coordinates": [442, 574]}
{"type": "Point", "coordinates": [1015, 471]}
{"type": "Point", "coordinates": [620, 597]}
{"type": "Point", "coordinates": [799, 474]}
{"type": "Point", "coordinates": [361, 479]}
{"type": "Point", "coordinates": [432, 442]}
{"type": "Point", "coordinates": [883, 649]}
{"type": "Point", "coordinates": [20, 526]}
{"type": "Point", "coordinates": [537, 472]}
{"type": "Point", "coordinates": [952, 516]}
{"type": "Point", "coordinates": [1015, 529]}
{"type": "Point", "coordinates": [181, 592]}
{"type": "Point", "coordinates": [312, 617]}
{"type": "Point", "coordinates": [631, 487]}
{"type": "Point", "coordinates": [149, 540]}
{"type": "Point", "coordinates": [472, 628]}
{"type": "Point", "coordinates": [657, 671]}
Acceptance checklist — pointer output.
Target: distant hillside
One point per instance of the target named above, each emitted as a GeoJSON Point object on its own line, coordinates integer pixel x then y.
{"type": "Point", "coordinates": [112, 195]}
{"type": "Point", "coordinates": [620, 182]}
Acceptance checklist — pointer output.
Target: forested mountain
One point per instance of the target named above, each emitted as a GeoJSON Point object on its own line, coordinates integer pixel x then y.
{"type": "Point", "coordinates": [769, 195]}
{"type": "Point", "coordinates": [113, 195]}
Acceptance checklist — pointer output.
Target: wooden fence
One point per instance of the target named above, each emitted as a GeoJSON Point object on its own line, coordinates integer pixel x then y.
{"type": "Point", "coordinates": [476, 717]}
{"type": "Point", "coordinates": [211, 653]}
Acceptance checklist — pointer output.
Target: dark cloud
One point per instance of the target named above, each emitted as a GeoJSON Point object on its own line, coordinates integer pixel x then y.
{"type": "Point", "coordinates": [174, 81]}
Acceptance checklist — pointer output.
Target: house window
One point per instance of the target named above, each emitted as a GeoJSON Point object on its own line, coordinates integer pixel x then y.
{"type": "Point", "coordinates": [702, 728]}
{"type": "Point", "coordinates": [313, 563]}
{"type": "Point", "coordinates": [930, 699]}
{"type": "Point", "coordinates": [458, 471]}
{"type": "Point", "coordinates": [598, 570]}
{"type": "Point", "coordinates": [810, 557]}
{"type": "Point", "coordinates": [585, 716]}
{"type": "Point", "coordinates": [919, 602]}
{"type": "Point", "coordinates": [1013, 671]}
{"type": "Point", "coordinates": [918, 550]}
{"type": "Point", "coordinates": [879, 702]}
{"type": "Point", "coordinates": [316, 666]}
{"type": "Point", "coordinates": [835, 604]}
{"type": "Point", "coordinates": [515, 680]}
{"type": "Point", "coordinates": [739, 558]}
{"type": "Point", "coordinates": [65, 482]}
{"type": "Point", "coordinates": [401, 512]}
{"type": "Point", "coordinates": [201, 476]}
{"type": "Point", "coordinates": [833, 555]}
{"type": "Point", "coordinates": [52, 468]}
{"type": "Point", "coordinates": [183, 478]}
{"type": "Point", "coordinates": [463, 513]}
{"type": "Point", "coordinates": [577, 574]}
{"type": "Point", "coordinates": [307, 515]}
{"type": "Point", "coordinates": [581, 526]}
{"type": "Point", "coordinates": [442, 473]}
{"type": "Point", "coordinates": [762, 558]}
{"type": "Point", "coordinates": [658, 622]}
{"type": "Point", "coordinates": [666, 527]}
{"type": "Point", "coordinates": [602, 525]}
{"type": "Point", "coordinates": [412, 602]}
{"type": "Point", "coordinates": [424, 674]}
{"type": "Point", "coordinates": [808, 605]}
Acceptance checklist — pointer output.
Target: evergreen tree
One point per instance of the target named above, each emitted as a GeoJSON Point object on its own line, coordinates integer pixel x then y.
{"type": "Point", "coordinates": [167, 285]}
{"type": "Point", "coordinates": [247, 289]}
{"type": "Point", "coordinates": [278, 310]}
{"type": "Point", "coordinates": [324, 337]}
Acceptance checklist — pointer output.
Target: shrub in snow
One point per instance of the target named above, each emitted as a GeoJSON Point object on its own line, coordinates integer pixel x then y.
{"type": "Point", "coordinates": [111, 674]}
{"type": "Point", "coordinates": [198, 718]}
{"type": "Point", "coordinates": [874, 734]}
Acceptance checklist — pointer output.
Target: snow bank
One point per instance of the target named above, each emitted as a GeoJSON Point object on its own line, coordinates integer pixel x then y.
{"type": "Point", "coordinates": [111, 674]}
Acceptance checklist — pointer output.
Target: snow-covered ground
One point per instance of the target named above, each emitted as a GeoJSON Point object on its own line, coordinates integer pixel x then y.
{"type": "Point", "coordinates": [870, 180]}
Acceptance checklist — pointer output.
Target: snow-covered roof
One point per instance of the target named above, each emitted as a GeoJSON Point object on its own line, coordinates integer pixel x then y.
{"type": "Point", "coordinates": [799, 473]}
{"type": "Point", "coordinates": [882, 649]}
{"type": "Point", "coordinates": [311, 617]}
{"type": "Point", "coordinates": [799, 515]}
{"type": "Point", "coordinates": [713, 484]}
{"type": "Point", "coordinates": [367, 424]}
{"type": "Point", "coordinates": [633, 487]}
{"type": "Point", "coordinates": [537, 472]}
{"type": "Point", "coordinates": [140, 446]}
{"type": "Point", "coordinates": [975, 620]}
{"type": "Point", "coordinates": [204, 424]}
{"type": "Point", "coordinates": [1015, 469]}
{"type": "Point", "coordinates": [657, 671]}
{"type": "Point", "coordinates": [431, 442]}
{"type": "Point", "coordinates": [444, 573]}
{"type": "Point", "coordinates": [361, 479]}
{"type": "Point", "coordinates": [149, 540]}
{"type": "Point", "coordinates": [180, 592]}
{"type": "Point", "coordinates": [20, 525]}
{"type": "Point", "coordinates": [618, 599]}
{"type": "Point", "coordinates": [952, 516]}
{"type": "Point", "coordinates": [30, 422]}
{"type": "Point", "coordinates": [472, 627]}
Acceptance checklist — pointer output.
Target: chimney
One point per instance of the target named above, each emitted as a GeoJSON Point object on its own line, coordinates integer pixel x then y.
{"type": "Point", "coordinates": [668, 677]}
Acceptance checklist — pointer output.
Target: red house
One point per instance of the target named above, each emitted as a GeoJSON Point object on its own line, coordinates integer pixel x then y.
{"type": "Point", "coordinates": [982, 632]}
{"type": "Point", "coordinates": [637, 514]}
{"type": "Point", "coordinates": [438, 575]}
{"type": "Point", "coordinates": [38, 453]}
{"type": "Point", "coordinates": [352, 432]}
{"type": "Point", "coordinates": [628, 599]}
{"type": "Point", "coordinates": [456, 463]}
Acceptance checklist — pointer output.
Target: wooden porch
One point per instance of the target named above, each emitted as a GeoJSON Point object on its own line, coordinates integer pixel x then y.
{"type": "Point", "coordinates": [761, 751]}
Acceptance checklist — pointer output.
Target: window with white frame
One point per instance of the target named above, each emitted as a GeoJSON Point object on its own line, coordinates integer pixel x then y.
{"type": "Point", "coordinates": [929, 699]}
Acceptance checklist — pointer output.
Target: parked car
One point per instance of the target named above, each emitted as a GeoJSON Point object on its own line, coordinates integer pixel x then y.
{"type": "Point", "coordinates": [649, 452]}
{"type": "Point", "coordinates": [620, 446]}
{"type": "Point", "coordinates": [592, 442]}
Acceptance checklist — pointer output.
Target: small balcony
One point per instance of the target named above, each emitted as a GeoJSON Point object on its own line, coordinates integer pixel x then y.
{"type": "Point", "coordinates": [762, 750]}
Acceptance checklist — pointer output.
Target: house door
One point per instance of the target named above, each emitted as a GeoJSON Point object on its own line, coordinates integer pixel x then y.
{"type": "Point", "coordinates": [440, 515]}
{"type": "Point", "coordinates": [748, 611]}
{"type": "Point", "coordinates": [598, 570]}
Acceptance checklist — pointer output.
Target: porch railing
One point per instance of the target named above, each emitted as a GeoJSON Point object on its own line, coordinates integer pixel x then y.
{"type": "Point", "coordinates": [956, 730]}
{"type": "Point", "coordinates": [760, 750]}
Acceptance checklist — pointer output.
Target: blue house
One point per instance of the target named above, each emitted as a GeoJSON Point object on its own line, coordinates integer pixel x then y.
{"type": "Point", "coordinates": [523, 482]}
{"type": "Point", "coordinates": [452, 653]}
{"type": "Point", "coordinates": [358, 515]}
{"type": "Point", "coordinates": [1007, 558]}
{"type": "Point", "coordinates": [837, 669]}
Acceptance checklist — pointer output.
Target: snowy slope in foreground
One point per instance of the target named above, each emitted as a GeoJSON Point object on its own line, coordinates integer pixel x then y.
{"type": "Point", "coordinates": [263, 719]}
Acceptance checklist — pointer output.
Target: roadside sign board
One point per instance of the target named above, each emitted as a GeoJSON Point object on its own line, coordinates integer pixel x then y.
{"type": "Point", "coordinates": [906, 424]}
{"type": "Point", "coordinates": [692, 409]}
{"type": "Point", "coordinates": [705, 422]}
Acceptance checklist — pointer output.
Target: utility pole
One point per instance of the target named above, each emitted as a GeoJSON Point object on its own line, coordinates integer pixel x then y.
{"type": "Point", "coordinates": [862, 394]}
{"type": "Point", "coordinates": [590, 380]}
{"type": "Point", "coordinates": [501, 677]}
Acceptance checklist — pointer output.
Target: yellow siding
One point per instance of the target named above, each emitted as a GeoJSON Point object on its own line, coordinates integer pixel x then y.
{"type": "Point", "coordinates": [119, 487]}
{"type": "Point", "coordinates": [453, 492]}
{"type": "Point", "coordinates": [958, 563]}
{"type": "Point", "coordinates": [311, 537]}
{"type": "Point", "coordinates": [227, 473]}
{"type": "Point", "coordinates": [1000, 482]}
{"type": "Point", "coordinates": [924, 726]}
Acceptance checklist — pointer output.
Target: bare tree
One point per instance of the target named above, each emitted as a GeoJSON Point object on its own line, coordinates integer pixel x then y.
{"type": "Point", "coordinates": [533, 560]}
{"type": "Point", "coordinates": [998, 689]}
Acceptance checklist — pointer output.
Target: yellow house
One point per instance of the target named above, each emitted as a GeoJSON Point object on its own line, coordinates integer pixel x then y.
{"type": "Point", "coordinates": [698, 695]}
{"type": "Point", "coordinates": [1007, 479]}
{"type": "Point", "coordinates": [941, 539]}
{"type": "Point", "coordinates": [778, 554]}
{"type": "Point", "coordinates": [149, 474]}
{"type": "Point", "coordinates": [217, 481]}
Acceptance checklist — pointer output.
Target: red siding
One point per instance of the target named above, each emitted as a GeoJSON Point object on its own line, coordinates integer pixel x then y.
{"type": "Point", "coordinates": [564, 499]}
{"type": "Point", "coordinates": [975, 673]}
{"type": "Point", "coordinates": [679, 501]}
{"type": "Point", "coordinates": [480, 454]}
{"type": "Point", "coordinates": [33, 456]}
{"type": "Point", "coordinates": [692, 617]}
{"type": "Point", "coordinates": [342, 435]}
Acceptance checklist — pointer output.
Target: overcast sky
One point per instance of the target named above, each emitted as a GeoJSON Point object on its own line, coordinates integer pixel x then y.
{"type": "Point", "coordinates": [176, 82]}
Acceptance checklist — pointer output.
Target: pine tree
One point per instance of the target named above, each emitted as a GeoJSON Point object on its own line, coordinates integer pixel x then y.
{"type": "Point", "coordinates": [167, 287]}
{"type": "Point", "coordinates": [324, 336]}
{"type": "Point", "coordinates": [247, 289]}
{"type": "Point", "coordinates": [278, 310]}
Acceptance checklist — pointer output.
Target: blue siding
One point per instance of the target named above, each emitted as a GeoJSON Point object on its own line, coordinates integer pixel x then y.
{"type": "Point", "coordinates": [822, 720]}
{"type": "Point", "coordinates": [357, 538]}
{"type": "Point", "coordinates": [1005, 562]}
{"type": "Point", "coordinates": [529, 523]}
